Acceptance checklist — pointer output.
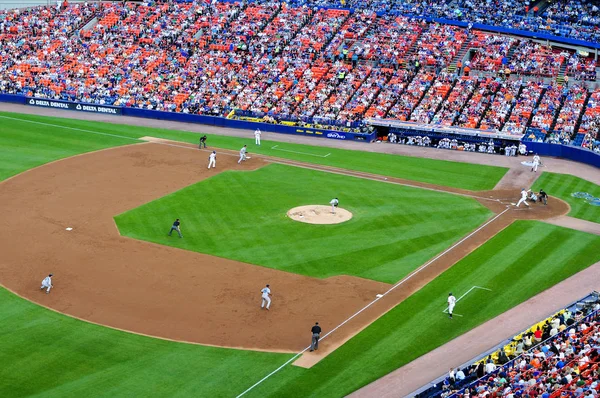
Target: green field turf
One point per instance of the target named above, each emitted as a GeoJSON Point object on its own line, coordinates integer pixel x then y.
{"type": "Point", "coordinates": [52, 355]}
{"type": "Point", "coordinates": [242, 216]}
{"type": "Point", "coordinates": [563, 186]}
{"type": "Point", "coordinates": [440, 172]}
{"type": "Point", "coordinates": [47, 354]}
{"type": "Point", "coordinates": [521, 261]}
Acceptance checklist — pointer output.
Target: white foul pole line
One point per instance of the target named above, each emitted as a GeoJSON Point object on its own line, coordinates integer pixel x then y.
{"type": "Point", "coordinates": [468, 291]}
{"type": "Point", "coordinates": [401, 282]}
{"type": "Point", "coordinates": [275, 147]}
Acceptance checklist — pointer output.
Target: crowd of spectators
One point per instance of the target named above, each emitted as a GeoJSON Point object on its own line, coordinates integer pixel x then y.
{"type": "Point", "coordinates": [290, 62]}
{"type": "Point", "coordinates": [559, 356]}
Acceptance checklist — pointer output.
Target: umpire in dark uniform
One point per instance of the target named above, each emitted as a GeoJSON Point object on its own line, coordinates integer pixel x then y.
{"type": "Point", "coordinates": [543, 197]}
{"type": "Point", "coordinates": [316, 333]}
{"type": "Point", "coordinates": [202, 142]}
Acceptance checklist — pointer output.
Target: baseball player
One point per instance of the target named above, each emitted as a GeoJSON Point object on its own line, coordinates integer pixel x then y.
{"type": "Point", "coordinates": [266, 292]}
{"type": "Point", "coordinates": [242, 154]}
{"type": "Point", "coordinates": [536, 162]}
{"type": "Point", "coordinates": [212, 160]}
{"type": "Point", "coordinates": [176, 227]}
{"type": "Point", "coordinates": [451, 304]}
{"type": "Point", "coordinates": [47, 284]}
{"type": "Point", "coordinates": [523, 198]}
{"type": "Point", "coordinates": [257, 134]}
{"type": "Point", "coordinates": [334, 203]}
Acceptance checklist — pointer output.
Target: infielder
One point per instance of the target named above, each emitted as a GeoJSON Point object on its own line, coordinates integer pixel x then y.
{"type": "Point", "coordinates": [257, 134]}
{"type": "Point", "coordinates": [242, 154]}
{"type": "Point", "coordinates": [523, 198]}
{"type": "Point", "coordinates": [334, 202]}
{"type": "Point", "coordinates": [47, 284]}
{"type": "Point", "coordinates": [266, 292]}
{"type": "Point", "coordinates": [536, 162]}
{"type": "Point", "coordinates": [212, 160]}
{"type": "Point", "coordinates": [176, 227]}
{"type": "Point", "coordinates": [451, 304]}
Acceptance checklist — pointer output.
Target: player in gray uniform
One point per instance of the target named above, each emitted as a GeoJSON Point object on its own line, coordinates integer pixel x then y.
{"type": "Point", "coordinates": [47, 283]}
{"type": "Point", "coordinates": [265, 292]}
{"type": "Point", "coordinates": [334, 203]}
{"type": "Point", "coordinates": [242, 154]}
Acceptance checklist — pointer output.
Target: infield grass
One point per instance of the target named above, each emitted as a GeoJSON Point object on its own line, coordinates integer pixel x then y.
{"type": "Point", "coordinates": [440, 172]}
{"type": "Point", "coordinates": [242, 216]}
{"type": "Point", "coordinates": [563, 186]}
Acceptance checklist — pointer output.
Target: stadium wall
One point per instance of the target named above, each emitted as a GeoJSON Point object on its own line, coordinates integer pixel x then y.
{"type": "Point", "coordinates": [188, 118]}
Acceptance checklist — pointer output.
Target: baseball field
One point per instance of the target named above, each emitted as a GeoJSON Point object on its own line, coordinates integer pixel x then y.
{"type": "Point", "coordinates": [137, 312]}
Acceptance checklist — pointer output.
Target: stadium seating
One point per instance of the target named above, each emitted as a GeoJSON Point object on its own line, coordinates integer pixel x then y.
{"type": "Point", "coordinates": [297, 63]}
{"type": "Point", "coordinates": [559, 356]}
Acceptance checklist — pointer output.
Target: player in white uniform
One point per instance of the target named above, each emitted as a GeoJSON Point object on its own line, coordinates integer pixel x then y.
{"type": "Point", "coordinates": [536, 162]}
{"type": "Point", "coordinates": [266, 292]}
{"type": "Point", "coordinates": [47, 283]}
{"type": "Point", "coordinates": [212, 160]}
{"type": "Point", "coordinates": [242, 154]}
{"type": "Point", "coordinates": [334, 202]}
{"type": "Point", "coordinates": [523, 198]}
{"type": "Point", "coordinates": [257, 134]}
{"type": "Point", "coordinates": [451, 304]}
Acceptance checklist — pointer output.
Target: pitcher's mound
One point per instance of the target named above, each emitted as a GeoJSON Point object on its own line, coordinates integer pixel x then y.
{"type": "Point", "coordinates": [318, 214]}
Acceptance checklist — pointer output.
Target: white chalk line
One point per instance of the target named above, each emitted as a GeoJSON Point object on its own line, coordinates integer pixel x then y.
{"type": "Point", "coordinates": [299, 153]}
{"type": "Point", "coordinates": [468, 291]}
{"type": "Point", "coordinates": [406, 278]}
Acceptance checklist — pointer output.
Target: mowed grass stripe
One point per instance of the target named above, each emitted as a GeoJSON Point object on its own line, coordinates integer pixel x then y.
{"type": "Point", "coordinates": [242, 216]}
{"type": "Point", "coordinates": [521, 261]}
{"type": "Point", "coordinates": [563, 185]}
{"type": "Point", "coordinates": [440, 172]}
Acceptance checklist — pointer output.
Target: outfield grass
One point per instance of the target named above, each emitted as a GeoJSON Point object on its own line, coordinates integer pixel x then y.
{"type": "Point", "coordinates": [523, 260]}
{"type": "Point", "coordinates": [242, 216]}
{"type": "Point", "coordinates": [48, 354]}
{"type": "Point", "coordinates": [440, 172]}
{"type": "Point", "coordinates": [563, 185]}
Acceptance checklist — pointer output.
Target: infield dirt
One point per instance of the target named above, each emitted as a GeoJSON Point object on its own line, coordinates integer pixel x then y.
{"type": "Point", "coordinates": [166, 292]}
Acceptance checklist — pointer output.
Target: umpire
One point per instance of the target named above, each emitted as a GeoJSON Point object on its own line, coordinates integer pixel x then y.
{"type": "Point", "coordinates": [202, 142]}
{"type": "Point", "coordinates": [543, 197]}
{"type": "Point", "coordinates": [316, 333]}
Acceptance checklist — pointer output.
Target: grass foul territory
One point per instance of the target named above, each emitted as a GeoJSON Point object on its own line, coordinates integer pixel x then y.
{"type": "Point", "coordinates": [440, 172]}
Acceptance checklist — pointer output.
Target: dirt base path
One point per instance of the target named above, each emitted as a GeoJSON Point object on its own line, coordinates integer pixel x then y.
{"type": "Point", "coordinates": [138, 286]}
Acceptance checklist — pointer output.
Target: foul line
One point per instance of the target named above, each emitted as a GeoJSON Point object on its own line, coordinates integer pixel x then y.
{"type": "Point", "coordinates": [300, 153]}
{"type": "Point", "coordinates": [468, 291]}
{"type": "Point", "coordinates": [415, 272]}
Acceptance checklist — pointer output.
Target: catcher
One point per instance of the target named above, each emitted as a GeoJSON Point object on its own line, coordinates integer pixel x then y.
{"type": "Point", "coordinates": [334, 203]}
